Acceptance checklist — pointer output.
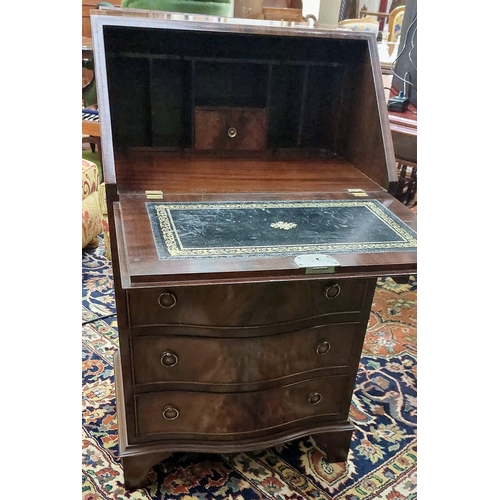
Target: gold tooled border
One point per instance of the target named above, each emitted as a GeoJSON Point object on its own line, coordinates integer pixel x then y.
{"type": "Point", "coordinates": [175, 247]}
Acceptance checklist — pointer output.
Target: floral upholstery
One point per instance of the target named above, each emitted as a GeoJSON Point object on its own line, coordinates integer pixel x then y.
{"type": "Point", "coordinates": [104, 218]}
{"type": "Point", "coordinates": [91, 216]}
{"type": "Point", "coordinates": [90, 178]}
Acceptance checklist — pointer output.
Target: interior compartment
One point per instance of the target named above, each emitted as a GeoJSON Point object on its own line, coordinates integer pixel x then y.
{"type": "Point", "coordinates": [156, 81]}
{"type": "Point", "coordinates": [319, 96]}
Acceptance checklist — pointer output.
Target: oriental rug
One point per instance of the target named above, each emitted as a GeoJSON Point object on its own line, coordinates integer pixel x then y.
{"type": "Point", "coordinates": [382, 462]}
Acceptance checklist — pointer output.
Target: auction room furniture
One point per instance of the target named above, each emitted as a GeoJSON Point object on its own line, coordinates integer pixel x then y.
{"type": "Point", "coordinates": [91, 131]}
{"type": "Point", "coordinates": [87, 6]}
{"type": "Point", "coordinates": [90, 116]}
{"type": "Point", "coordinates": [91, 214]}
{"type": "Point", "coordinates": [404, 136]}
{"type": "Point", "coordinates": [88, 72]}
{"type": "Point", "coordinates": [367, 24]}
{"type": "Point", "coordinates": [249, 171]}
{"type": "Point", "coordinates": [396, 23]}
{"type": "Point", "coordinates": [282, 10]}
{"type": "Point", "coordinates": [103, 209]}
{"type": "Point", "coordinates": [248, 9]}
{"type": "Point", "coordinates": [208, 7]}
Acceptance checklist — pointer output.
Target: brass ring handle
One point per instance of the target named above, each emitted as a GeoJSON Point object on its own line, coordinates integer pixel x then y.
{"type": "Point", "coordinates": [231, 132]}
{"type": "Point", "coordinates": [332, 291]}
{"type": "Point", "coordinates": [322, 347]}
{"type": "Point", "coordinates": [170, 412]}
{"type": "Point", "coordinates": [314, 398]}
{"type": "Point", "coordinates": [167, 300]}
{"type": "Point", "coordinates": [169, 359]}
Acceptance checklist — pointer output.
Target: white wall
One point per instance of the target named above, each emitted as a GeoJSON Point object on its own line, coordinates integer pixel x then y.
{"type": "Point", "coordinates": [371, 5]}
{"type": "Point", "coordinates": [310, 7]}
{"type": "Point", "coordinates": [328, 13]}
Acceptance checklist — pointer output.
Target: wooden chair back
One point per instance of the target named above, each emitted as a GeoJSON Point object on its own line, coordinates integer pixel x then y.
{"type": "Point", "coordinates": [395, 23]}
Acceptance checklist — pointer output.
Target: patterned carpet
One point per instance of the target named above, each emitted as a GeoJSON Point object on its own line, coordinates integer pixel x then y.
{"type": "Point", "coordinates": [382, 460]}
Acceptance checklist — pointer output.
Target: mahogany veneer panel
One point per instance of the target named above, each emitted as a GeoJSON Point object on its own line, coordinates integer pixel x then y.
{"type": "Point", "coordinates": [230, 129]}
{"type": "Point", "coordinates": [141, 170]}
{"type": "Point", "coordinates": [232, 414]}
{"type": "Point", "coordinates": [244, 306]}
{"type": "Point", "coordinates": [228, 354]}
{"type": "Point", "coordinates": [241, 360]}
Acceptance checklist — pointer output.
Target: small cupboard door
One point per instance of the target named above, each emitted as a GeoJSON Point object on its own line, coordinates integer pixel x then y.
{"type": "Point", "coordinates": [230, 128]}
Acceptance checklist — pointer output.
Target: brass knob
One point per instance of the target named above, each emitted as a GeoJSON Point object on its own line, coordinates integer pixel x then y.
{"type": "Point", "coordinates": [322, 347]}
{"type": "Point", "coordinates": [231, 132]}
{"type": "Point", "coordinates": [167, 300]}
{"type": "Point", "coordinates": [169, 358]}
{"type": "Point", "coordinates": [170, 412]}
{"type": "Point", "coordinates": [332, 291]}
{"type": "Point", "coordinates": [314, 398]}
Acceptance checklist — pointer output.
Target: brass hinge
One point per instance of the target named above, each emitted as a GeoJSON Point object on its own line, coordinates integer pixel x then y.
{"type": "Point", "coordinates": [154, 195]}
{"type": "Point", "coordinates": [357, 192]}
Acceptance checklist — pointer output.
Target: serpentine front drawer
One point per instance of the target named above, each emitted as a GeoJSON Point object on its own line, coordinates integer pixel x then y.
{"type": "Point", "coordinates": [184, 359]}
{"type": "Point", "coordinates": [247, 414]}
{"type": "Point", "coordinates": [244, 305]}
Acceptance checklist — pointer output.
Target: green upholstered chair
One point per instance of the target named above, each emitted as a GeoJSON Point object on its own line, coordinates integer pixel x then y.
{"type": "Point", "coordinates": [219, 8]}
{"type": "Point", "coordinates": [206, 7]}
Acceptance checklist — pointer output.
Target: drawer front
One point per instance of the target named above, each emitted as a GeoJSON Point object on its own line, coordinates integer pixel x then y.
{"type": "Point", "coordinates": [246, 413]}
{"type": "Point", "coordinates": [241, 360]}
{"type": "Point", "coordinates": [244, 305]}
{"type": "Point", "coordinates": [230, 129]}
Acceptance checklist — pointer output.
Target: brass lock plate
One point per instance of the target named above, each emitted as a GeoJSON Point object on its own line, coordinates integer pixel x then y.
{"type": "Point", "coordinates": [316, 263]}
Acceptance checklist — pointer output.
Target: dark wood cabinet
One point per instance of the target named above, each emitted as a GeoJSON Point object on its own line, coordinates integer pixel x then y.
{"type": "Point", "coordinates": [249, 175]}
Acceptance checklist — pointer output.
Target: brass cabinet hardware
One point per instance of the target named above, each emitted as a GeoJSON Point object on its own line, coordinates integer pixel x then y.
{"type": "Point", "coordinates": [170, 412]}
{"type": "Point", "coordinates": [167, 300]}
{"type": "Point", "coordinates": [322, 347]}
{"type": "Point", "coordinates": [332, 291]}
{"type": "Point", "coordinates": [314, 398]}
{"type": "Point", "coordinates": [169, 359]}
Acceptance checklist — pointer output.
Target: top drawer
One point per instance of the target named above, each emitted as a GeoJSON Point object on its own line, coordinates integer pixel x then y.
{"type": "Point", "coordinates": [244, 305]}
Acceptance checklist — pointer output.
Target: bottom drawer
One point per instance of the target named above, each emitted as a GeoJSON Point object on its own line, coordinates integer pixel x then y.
{"type": "Point", "coordinates": [249, 413]}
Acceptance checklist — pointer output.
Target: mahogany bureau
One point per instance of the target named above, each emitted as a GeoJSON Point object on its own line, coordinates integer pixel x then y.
{"type": "Point", "coordinates": [249, 175]}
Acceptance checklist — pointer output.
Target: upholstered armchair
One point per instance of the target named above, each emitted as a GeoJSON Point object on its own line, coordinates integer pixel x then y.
{"type": "Point", "coordinates": [94, 210]}
{"type": "Point", "coordinates": [103, 209]}
{"type": "Point", "coordinates": [91, 214]}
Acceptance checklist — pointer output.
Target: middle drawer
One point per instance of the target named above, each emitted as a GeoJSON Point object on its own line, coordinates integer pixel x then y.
{"type": "Point", "coordinates": [240, 360]}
